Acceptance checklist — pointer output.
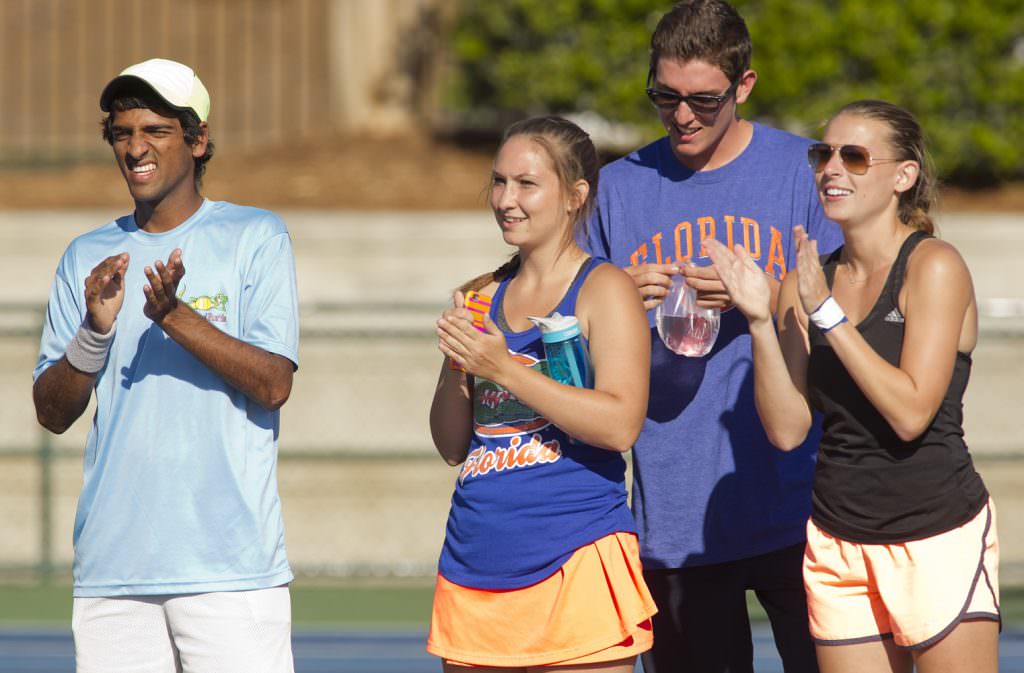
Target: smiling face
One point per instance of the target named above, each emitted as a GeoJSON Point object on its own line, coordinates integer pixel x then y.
{"type": "Point", "coordinates": [154, 157]}
{"type": "Point", "coordinates": [527, 196]}
{"type": "Point", "coordinates": [849, 198]}
{"type": "Point", "coordinates": [702, 141]}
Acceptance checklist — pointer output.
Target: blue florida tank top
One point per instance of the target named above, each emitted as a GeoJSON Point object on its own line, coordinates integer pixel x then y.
{"type": "Point", "coordinates": [527, 496]}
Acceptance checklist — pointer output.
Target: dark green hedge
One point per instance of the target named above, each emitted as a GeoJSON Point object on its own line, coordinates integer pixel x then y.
{"type": "Point", "coordinates": [957, 64]}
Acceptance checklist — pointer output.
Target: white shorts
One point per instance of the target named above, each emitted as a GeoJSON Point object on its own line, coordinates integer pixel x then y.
{"type": "Point", "coordinates": [220, 632]}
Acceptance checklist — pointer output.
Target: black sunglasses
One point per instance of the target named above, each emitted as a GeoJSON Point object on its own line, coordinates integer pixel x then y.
{"type": "Point", "coordinates": [699, 103]}
{"type": "Point", "coordinates": [855, 158]}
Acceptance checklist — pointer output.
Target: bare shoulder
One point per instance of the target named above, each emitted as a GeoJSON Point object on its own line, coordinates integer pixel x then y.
{"type": "Point", "coordinates": [607, 279]}
{"type": "Point", "coordinates": [610, 294]}
{"type": "Point", "coordinates": [936, 260]}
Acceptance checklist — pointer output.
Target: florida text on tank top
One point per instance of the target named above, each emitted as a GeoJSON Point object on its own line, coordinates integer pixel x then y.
{"type": "Point", "coordinates": [527, 496]}
{"type": "Point", "coordinates": [870, 486]}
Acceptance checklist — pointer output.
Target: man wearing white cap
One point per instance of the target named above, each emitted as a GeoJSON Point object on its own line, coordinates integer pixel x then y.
{"type": "Point", "coordinates": [187, 331]}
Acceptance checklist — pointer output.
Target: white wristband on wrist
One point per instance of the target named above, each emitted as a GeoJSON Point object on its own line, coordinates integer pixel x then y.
{"type": "Point", "coordinates": [88, 349]}
{"type": "Point", "coordinates": [828, 316]}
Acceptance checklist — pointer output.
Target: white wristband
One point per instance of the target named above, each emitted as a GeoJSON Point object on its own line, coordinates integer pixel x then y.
{"type": "Point", "coordinates": [828, 316]}
{"type": "Point", "coordinates": [88, 349]}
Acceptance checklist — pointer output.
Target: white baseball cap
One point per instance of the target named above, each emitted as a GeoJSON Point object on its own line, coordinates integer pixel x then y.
{"type": "Point", "coordinates": [174, 82]}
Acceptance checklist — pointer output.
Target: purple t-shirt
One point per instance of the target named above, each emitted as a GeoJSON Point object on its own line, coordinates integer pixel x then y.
{"type": "Point", "coordinates": [708, 486]}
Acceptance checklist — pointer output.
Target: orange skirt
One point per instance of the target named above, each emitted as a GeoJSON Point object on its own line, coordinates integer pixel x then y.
{"type": "Point", "coordinates": [595, 608]}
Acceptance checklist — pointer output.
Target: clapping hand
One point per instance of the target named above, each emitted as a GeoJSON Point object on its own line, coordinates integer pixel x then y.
{"type": "Point", "coordinates": [745, 282]}
{"type": "Point", "coordinates": [161, 293]}
{"type": "Point", "coordinates": [811, 283]}
{"type": "Point", "coordinates": [104, 292]}
{"type": "Point", "coordinates": [479, 353]}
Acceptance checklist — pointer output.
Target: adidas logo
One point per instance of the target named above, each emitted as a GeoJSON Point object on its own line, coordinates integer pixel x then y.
{"type": "Point", "coordinates": [894, 316]}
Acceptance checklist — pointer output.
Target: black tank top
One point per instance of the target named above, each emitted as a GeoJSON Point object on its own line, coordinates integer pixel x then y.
{"type": "Point", "coordinates": [870, 486]}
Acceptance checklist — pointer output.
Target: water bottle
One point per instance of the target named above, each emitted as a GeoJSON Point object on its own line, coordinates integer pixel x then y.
{"type": "Point", "coordinates": [566, 354]}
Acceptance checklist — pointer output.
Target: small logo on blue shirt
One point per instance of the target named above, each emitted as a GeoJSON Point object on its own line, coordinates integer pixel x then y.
{"type": "Point", "coordinates": [214, 308]}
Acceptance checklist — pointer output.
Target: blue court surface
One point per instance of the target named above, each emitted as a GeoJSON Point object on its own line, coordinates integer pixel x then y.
{"type": "Point", "coordinates": [26, 650]}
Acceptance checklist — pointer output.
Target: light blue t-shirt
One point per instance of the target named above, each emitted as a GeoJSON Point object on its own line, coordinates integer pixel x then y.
{"type": "Point", "coordinates": [180, 484]}
{"type": "Point", "coordinates": [708, 486]}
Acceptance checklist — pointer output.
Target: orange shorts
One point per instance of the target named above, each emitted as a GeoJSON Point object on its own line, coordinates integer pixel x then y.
{"type": "Point", "coordinates": [595, 608]}
{"type": "Point", "coordinates": [914, 592]}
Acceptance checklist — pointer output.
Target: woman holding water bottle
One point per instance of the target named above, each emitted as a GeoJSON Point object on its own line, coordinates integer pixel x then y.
{"type": "Point", "coordinates": [901, 558]}
{"type": "Point", "coordinates": [540, 564]}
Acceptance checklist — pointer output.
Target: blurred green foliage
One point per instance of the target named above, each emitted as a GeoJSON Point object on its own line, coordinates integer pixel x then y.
{"type": "Point", "coordinates": [957, 64]}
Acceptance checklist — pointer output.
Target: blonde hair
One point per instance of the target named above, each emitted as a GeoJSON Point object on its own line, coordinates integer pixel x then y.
{"type": "Point", "coordinates": [573, 157]}
{"type": "Point", "coordinates": [907, 140]}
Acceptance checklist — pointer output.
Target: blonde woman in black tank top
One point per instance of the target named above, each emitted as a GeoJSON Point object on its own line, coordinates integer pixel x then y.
{"type": "Point", "coordinates": [901, 562]}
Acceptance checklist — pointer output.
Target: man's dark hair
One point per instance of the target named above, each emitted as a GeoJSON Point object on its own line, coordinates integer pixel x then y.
{"type": "Point", "coordinates": [706, 30]}
{"type": "Point", "coordinates": [142, 98]}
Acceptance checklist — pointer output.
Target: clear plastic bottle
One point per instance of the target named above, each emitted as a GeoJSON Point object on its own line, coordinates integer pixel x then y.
{"type": "Point", "coordinates": [567, 359]}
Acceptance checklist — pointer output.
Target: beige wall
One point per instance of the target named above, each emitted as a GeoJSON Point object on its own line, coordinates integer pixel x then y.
{"type": "Point", "coordinates": [384, 59]}
{"type": "Point", "coordinates": [276, 69]}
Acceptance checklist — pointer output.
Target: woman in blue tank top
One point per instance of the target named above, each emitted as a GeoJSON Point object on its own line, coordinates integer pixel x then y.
{"type": "Point", "coordinates": [901, 563]}
{"type": "Point", "coordinates": [540, 565]}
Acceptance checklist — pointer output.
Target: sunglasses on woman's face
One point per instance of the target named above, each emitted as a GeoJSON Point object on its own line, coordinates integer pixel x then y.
{"type": "Point", "coordinates": [855, 158]}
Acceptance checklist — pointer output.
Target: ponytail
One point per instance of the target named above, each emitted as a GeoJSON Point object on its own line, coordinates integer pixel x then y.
{"type": "Point", "coordinates": [499, 274]}
{"type": "Point", "coordinates": [920, 220]}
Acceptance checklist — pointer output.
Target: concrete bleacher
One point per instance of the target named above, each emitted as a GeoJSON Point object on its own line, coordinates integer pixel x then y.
{"type": "Point", "coordinates": [371, 286]}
